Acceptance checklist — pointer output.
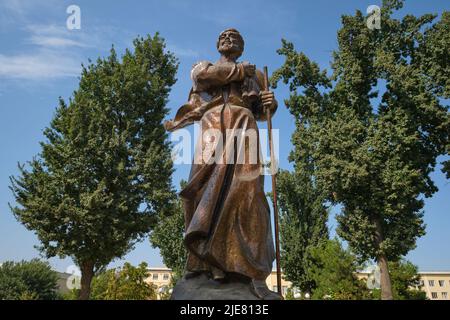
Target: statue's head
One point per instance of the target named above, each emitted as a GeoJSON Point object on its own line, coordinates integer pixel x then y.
{"type": "Point", "coordinates": [230, 43]}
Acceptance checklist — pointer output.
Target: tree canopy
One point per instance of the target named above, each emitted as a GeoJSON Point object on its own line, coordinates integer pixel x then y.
{"type": "Point", "coordinates": [126, 283]}
{"type": "Point", "coordinates": [28, 280]}
{"type": "Point", "coordinates": [333, 270]}
{"type": "Point", "coordinates": [303, 224]}
{"type": "Point", "coordinates": [104, 172]}
{"type": "Point", "coordinates": [373, 130]}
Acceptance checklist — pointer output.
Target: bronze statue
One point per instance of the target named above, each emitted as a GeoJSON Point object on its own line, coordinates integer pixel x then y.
{"type": "Point", "coordinates": [227, 216]}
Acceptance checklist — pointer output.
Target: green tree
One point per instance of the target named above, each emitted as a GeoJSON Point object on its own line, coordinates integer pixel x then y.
{"type": "Point", "coordinates": [72, 294]}
{"type": "Point", "coordinates": [104, 171]}
{"type": "Point", "coordinates": [100, 283]}
{"type": "Point", "coordinates": [289, 294]}
{"type": "Point", "coordinates": [27, 280]}
{"type": "Point", "coordinates": [126, 283]}
{"type": "Point", "coordinates": [435, 64]}
{"type": "Point", "coordinates": [405, 281]}
{"type": "Point", "coordinates": [333, 270]}
{"type": "Point", "coordinates": [303, 223]}
{"type": "Point", "coordinates": [373, 152]}
{"type": "Point", "coordinates": [167, 236]}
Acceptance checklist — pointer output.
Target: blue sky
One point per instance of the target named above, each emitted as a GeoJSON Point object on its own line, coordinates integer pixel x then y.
{"type": "Point", "coordinates": [40, 60]}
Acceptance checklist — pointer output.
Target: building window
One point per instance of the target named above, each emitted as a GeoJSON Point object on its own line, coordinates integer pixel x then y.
{"type": "Point", "coordinates": [166, 276]}
{"type": "Point", "coordinates": [421, 283]}
{"type": "Point", "coordinates": [431, 283]}
{"type": "Point", "coordinates": [434, 295]}
{"type": "Point", "coordinates": [441, 283]}
{"type": "Point", "coordinates": [275, 289]}
{"type": "Point", "coordinates": [155, 276]}
{"type": "Point", "coordinates": [284, 290]}
{"type": "Point", "coordinates": [444, 295]}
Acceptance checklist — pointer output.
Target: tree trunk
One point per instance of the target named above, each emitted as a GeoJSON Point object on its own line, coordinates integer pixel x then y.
{"type": "Point", "coordinates": [385, 278]}
{"type": "Point", "coordinates": [87, 273]}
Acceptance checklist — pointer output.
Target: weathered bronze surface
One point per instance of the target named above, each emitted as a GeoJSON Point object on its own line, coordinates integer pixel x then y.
{"type": "Point", "coordinates": [227, 217]}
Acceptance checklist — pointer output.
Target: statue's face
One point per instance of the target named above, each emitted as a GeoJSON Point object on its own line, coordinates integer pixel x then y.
{"type": "Point", "coordinates": [230, 44]}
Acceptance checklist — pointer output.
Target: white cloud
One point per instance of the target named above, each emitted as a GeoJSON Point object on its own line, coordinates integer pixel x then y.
{"type": "Point", "coordinates": [52, 36]}
{"type": "Point", "coordinates": [42, 65]}
{"type": "Point", "coordinates": [56, 52]}
{"type": "Point", "coordinates": [182, 51]}
{"type": "Point", "coordinates": [52, 55]}
{"type": "Point", "coordinates": [48, 51]}
{"type": "Point", "coordinates": [55, 42]}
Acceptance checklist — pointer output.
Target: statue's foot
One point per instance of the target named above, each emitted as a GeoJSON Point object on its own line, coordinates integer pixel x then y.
{"type": "Point", "coordinates": [260, 289]}
{"type": "Point", "coordinates": [217, 274]}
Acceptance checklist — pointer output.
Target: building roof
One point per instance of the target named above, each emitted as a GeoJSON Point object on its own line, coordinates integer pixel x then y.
{"type": "Point", "coordinates": [433, 272]}
{"type": "Point", "coordinates": [158, 269]}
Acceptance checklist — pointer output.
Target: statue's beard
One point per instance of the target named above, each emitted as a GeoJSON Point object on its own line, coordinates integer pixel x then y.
{"type": "Point", "coordinates": [230, 50]}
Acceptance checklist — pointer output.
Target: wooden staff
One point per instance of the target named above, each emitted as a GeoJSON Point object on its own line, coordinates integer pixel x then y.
{"type": "Point", "coordinates": [274, 184]}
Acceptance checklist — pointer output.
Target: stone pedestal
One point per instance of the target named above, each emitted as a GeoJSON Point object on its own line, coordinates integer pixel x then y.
{"type": "Point", "coordinates": [201, 287]}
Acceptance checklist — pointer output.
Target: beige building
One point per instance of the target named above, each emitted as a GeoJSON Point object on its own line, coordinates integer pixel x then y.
{"type": "Point", "coordinates": [435, 284]}
{"type": "Point", "coordinates": [160, 277]}
{"type": "Point", "coordinates": [272, 283]}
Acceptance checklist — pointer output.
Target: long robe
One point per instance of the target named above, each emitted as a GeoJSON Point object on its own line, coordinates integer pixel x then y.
{"type": "Point", "coordinates": [227, 216]}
